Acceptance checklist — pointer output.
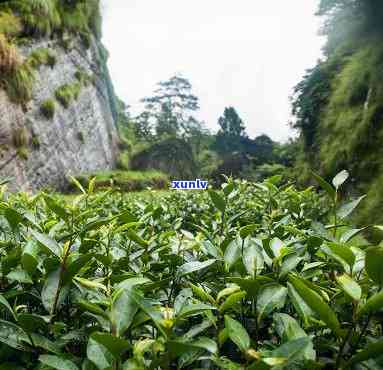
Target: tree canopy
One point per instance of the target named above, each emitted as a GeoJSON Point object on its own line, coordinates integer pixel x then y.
{"type": "Point", "coordinates": [231, 124]}
{"type": "Point", "coordinates": [169, 112]}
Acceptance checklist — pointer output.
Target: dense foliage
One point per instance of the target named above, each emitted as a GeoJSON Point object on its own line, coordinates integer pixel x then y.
{"type": "Point", "coordinates": [38, 18]}
{"type": "Point", "coordinates": [24, 20]}
{"type": "Point", "coordinates": [338, 106]}
{"type": "Point", "coordinates": [254, 276]}
{"type": "Point", "coordinates": [123, 180]}
{"type": "Point", "coordinates": [167, 136]}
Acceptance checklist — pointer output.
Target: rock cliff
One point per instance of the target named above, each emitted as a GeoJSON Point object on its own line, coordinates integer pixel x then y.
{"type": "Point", "coordinates": [79, 135]}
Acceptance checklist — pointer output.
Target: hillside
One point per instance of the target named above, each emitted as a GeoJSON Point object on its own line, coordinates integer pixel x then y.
{"type": "Point", "coordinates": [56, 99]}
{"type": "Point", "coordinates": [339, 104]}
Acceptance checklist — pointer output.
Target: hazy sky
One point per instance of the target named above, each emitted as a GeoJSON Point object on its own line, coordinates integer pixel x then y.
{"type": "Point", "coordinates": [243, 53]}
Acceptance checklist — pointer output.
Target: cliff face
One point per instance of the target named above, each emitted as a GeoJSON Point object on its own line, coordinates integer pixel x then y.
{"type": "Point", "coordinates": [36, 151]}
{"type": "Point", "coordinates": [345, 93]}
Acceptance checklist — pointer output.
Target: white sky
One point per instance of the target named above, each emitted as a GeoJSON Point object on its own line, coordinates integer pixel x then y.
{"type": "Point", "coordinates": [243, 53]}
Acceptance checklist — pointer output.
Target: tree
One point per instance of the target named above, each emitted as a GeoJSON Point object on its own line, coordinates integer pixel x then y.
{"type": "Point", "coordinates": [349, 20]}
{"type": "Point", "coordinates": [143, 127]}
{"type": "Point", "coordinates": [309, 99]}
{"type": "Point", "coordinates": [262, 149]}
{"type": "Point", "coordinates": [171, 108]}
{"type": "Point", "coordinates": [231, 124]}
{"type": "Point", "coordinates": [231, 134]}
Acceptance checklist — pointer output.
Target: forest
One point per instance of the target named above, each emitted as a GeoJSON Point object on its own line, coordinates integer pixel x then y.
{"type": "Point", "coordinates": [277, 265]}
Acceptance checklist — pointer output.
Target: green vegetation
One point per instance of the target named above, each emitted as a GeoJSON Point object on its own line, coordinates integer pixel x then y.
{"type": "Point", "coordinates": [167, 136]}
{"type": "Point", "coordinates": [10, 58]}
{"type": "Point", "coordinates": [81, 137]}
{"type": "Point", "coordinates": [18, 76]}
{"type": "Point", "coordinates": [339, 104]}
{"type": "Point", "coordinates": [20, 141]}
{"type": "Point", "coordinates": [172, 156]}
{"type": "Point", "coordinates": [66, 93]}
{"type": "Point", "coordinates": [124, 180]}
{"type": "Point", "coordinates": [19, 83]}
{"type": "Point", "coordinates": [253, 276]}
{"type": "Point", "coordinates": [42, 56]}
{"type": "Point", "coordinates": [46, 17]}
{"type": "Point", "coordinates": [20, 137]}
{"type": "Point", "coordinates": [35, 141]}
{"type": "Point", "coordinates": [25, 19]}
{"type": "Point", "coordinates": [48, 108]}
{"type": "Point", "coordinates": [23, 152]}
{"type": "Point", "coordinates": [84, 78]}
{"type": "Point", "coordinates": [10, 25]}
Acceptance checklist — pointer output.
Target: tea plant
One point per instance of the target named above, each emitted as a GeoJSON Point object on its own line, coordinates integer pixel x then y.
{"type": "Point", "coordinates": [254, 276]}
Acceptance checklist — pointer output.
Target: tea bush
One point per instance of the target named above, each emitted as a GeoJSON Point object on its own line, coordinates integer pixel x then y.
{"type": "Point", "coordinates": [124, 180]}
{"type": "Point", "coordinates": [253, 276]}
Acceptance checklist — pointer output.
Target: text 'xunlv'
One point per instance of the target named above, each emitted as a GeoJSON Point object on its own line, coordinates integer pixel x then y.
{"type": "Point", "coordinates": [190, 185]}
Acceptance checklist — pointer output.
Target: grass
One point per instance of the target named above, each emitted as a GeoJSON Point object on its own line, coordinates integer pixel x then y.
{"type": "Point", "coordinates": [10, 25]}
{"type": "Point", "coordinates": [66, 93]}
{"type": "Point", "coordinates": [19, 84]}
{"type": "Point", "coordinates": [19, 76]}
{"type": "Point", "coordinates": [84, 78]}
{"type": "Point", "coordinates": [20, 137]}
{"type": "Point", "coordinates": [48, 108]}
{"type": "Point", "coordinates": [10, 58]}
{"type": "Point", "coordinates": [23, 153]}
{"type": "Point", "coordinates": [44, 17]}
{"type": "Point", "coordinates": [81, 137]}
{"type": "Point", "coordinates": [40, 17]}
{"type": "Point", "coordinates": [125, 180]}
{"type": "Point", "coordinates": [351, 123]}
{"type": "Point", "coordinates": [20, 142]}
{"type": "Point", "coordinates": [35, 19]}
{"type": "Point", "coordinates": [83, 18]}
{"type": "Point", "coordinates": [42, 56]}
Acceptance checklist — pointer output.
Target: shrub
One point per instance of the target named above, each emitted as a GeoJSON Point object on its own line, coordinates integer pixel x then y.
{"type": "Point", "coordinates": [19, 84]}
{"type": "Point", "coordinates": [65, 94]}
{"type": "Point", "coordinates": [67, 42]}
{"type": "Point", "coordinates": [84, 18]}
{"type": "Point", "coordinates": [251, 276]}
{"type": "Point", "coordinates": [48, 108]}
{"type": "Point", "coordinates": [42, 56]}
{"type": "Point", "coordinates": [23, 153]}
{"type": "Point", "coordinates": [83, 77]}
{"type": "Point", "coordinates": [20, 19]}
{"type": "Point", "coordinates": [10, 25]}
{"type": "Point", "coordinates": [10, 58]}
{"type": "Point", "coordinates": [19, 77]}
{"type": "Point", "coordinates": [123, 160]}
{"type": "Point", "coordinates": [20, 137]}
{"type": "Point", "coordinates": [35, 141]}
{"type": "Point", "coordinates": [43, 17]}
{"type": "Point", "coordinates": [40, 17]}
{"type": "Point", "coordinates": [86, 39]}
{"type": "Point", "coordinates": [125, 180]}
{"type": "Point", "coordinates": [81, 137]}
{"type": "Point", "coordinates": [172, 156]}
